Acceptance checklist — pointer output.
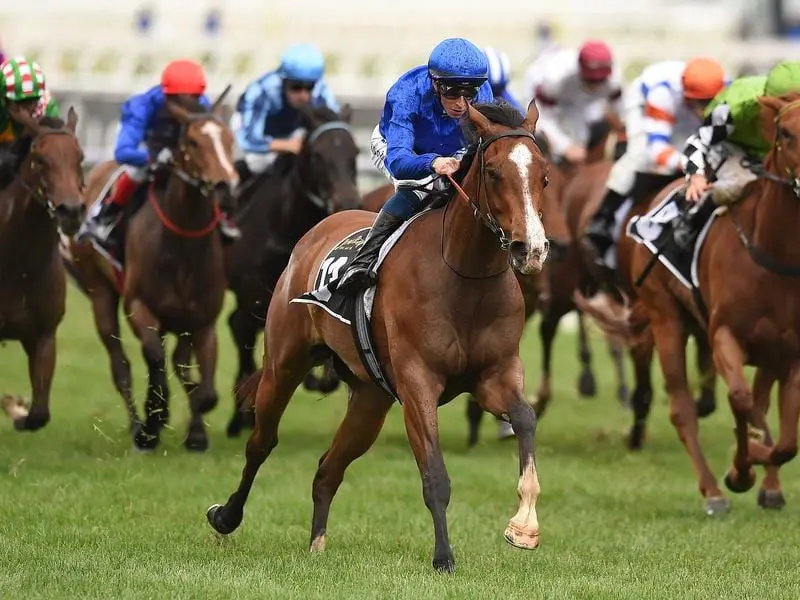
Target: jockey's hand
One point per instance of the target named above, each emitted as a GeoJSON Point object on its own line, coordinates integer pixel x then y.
{"type": "Point", "coordinates": [445, 165]}
{"type": "Point", "coordinates": [697, 186]}
{"type": "Point", "coordinates": [292, 145]}
{"type": "Point", "coordinates": [164, 157]}
{"type": "Point", "coordinates": [575, 154]}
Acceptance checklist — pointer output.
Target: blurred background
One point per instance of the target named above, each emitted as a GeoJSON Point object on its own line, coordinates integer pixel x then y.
{"type": "Point", "coordinates": [97, 52]}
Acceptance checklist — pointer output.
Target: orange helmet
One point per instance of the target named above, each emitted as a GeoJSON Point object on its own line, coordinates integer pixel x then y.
{"type": "Point", "coordinates": [183, 77]}
{"type": "Point", "coordinates": [703, 78]}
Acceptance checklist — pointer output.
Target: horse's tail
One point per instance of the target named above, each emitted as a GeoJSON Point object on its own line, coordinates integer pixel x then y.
{"type": "Point", "coordinates": [619, 321]}
{"type": "Point", "coordinates": [247, 388]}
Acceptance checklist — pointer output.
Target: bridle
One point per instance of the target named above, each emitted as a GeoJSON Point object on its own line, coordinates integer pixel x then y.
{"type": "Point", "coordinates": [325, 203]}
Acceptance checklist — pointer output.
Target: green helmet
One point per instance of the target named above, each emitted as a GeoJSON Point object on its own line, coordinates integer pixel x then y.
{"type": "Point", "coordinates": [23, 79]}
{"type": "Point", "coordinates": [783, 78]}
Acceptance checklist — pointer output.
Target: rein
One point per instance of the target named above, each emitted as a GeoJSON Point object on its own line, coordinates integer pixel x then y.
{"type": "Point", "coordinates": [37, 192]}
{"type": "Point", "coordinates": [177, 229]}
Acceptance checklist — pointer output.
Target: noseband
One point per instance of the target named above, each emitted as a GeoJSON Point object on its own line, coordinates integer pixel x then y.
{"type": "Point", "coordinates": [487, 217]}
{"type": "Point", "coordinates": [205, 186]}
{"type": "Point", "coordinates": [325, 204]}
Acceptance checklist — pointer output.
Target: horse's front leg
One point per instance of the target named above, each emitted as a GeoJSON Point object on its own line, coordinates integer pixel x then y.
{"type": "Point", "coordinates": [204, 398]}
{"type": "Point", "coordinates": [500, 391]}
{"type": "Point", "coordinates": [41, 351]}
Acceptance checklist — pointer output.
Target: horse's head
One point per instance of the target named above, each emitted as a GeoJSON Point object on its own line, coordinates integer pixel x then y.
{"type": "Point", "coordinates": [328, 160]}
{"type": "Point", "coordinates": [204, 156]}
{"type": "Point", "coordinates": [511, 176]}
{"type": "Point", "coordinates": [51, 171]}
{"type": "Point", "coordinates": [780, 120]}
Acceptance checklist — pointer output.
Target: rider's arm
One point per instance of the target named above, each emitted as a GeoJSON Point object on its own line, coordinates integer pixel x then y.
{"type": "Point", "coordinates": [325, 95]}
{"type": "Point", "coordinates": [135, 114]}
{"type": "Point", "coordinates": [716, 128]}
{"type": "Point", "coordinates": [401, 160]}
{"type": "Point", "coordinates": [254, 109]}
{"type": "Point", "coordinates": [547, 99]}
{"type": "Point", "coordinates": [659, 120]}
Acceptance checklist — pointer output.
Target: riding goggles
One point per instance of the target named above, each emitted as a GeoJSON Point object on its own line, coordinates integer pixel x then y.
{"type": "Point", "coordinates": [453, 91]}
{"type": "Point", "coordinates": [295, 85]}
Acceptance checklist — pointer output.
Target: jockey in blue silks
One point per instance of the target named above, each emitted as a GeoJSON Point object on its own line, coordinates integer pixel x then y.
{"type": "Point", "coordinates": [500, 76]}
{"type": "Point", "coordinates": [267, 119]}
{"type": "Point", "coordinates": [416, 140]}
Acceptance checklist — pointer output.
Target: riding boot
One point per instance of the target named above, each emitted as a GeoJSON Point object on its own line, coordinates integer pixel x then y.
{"type": "Point", "coordinates": [359, 274]}
{"type": "Point", "coordinates": [599, 232]}
{"type": "Point", "coordinates": [100, 225]}
{"type": "Point", "coordinates": [690, 224]}
{"type": "Point", "coordinates": [230, 232]}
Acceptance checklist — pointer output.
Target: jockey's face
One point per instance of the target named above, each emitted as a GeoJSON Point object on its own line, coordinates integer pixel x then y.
{"type": "Point", "coordinates": [298, 93]}
{"type": "Point", "coordinates": [455, 99]}
{"type": "Point", "coordinates": [697, 107]}
{"type": "Point", "coordinates": [592, 85]}
{"type": "Point", "coordinates": [28, 106]}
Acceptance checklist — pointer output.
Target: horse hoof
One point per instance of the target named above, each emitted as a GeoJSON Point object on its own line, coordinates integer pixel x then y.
{"type": "Point", "coordinates": [636, 438]}
{"type": "Point", "coordinates": [738, 484]}
{"type": "Point", "coordinates": [772, 499]}
{"type": "Point", "coordinates": [520, 536]}
{"type": "Point", "coordinates": [32, 422]}
{"type": "Point", "coordinates": [311, 383]}
{"type": "Point", "coordinates": [214, 516]}
{"type": "Point", "coordinates": [328, 387]}
{"type": "Point", "coordinates": [705, 406]}
{"type": "Point", "coordinates": [587, 386]}
{"type": "Point", "coordinates": [445, 565]}
{"type": "Point", "coordinates": [145, 442]}
{"type": "Point", "coordinates": [317, 544]}
{"type": "Point", "coordinates": [196, 444]}
{"type": "Point", "coordinates": [716, 507]}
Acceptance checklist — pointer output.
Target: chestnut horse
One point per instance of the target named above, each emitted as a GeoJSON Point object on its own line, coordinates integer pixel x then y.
{"type": "Point", "coordinates": [174, 277]}
{"type": "Point", "coordinates": [274, 212]}
{"type": "Point", "coordinates": [43, 196]}
{"type": "Point", "coordinates": [748, 273]}
{"type": "Point", "coordinates": [454, 313]}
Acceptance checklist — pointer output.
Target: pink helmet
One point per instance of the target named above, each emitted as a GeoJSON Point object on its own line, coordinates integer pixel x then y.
{"type": "Point", "coordinates": [595, 61]}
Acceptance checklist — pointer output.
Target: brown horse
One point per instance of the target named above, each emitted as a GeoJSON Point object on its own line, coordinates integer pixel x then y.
{"type": "Point", "coordinates": [747, 273]}
{"type": "Point", "coordinates": [454, 313]}
{"type": "Point", "coordinates": [277, 210]}
{"type": "Point", "coordinates": [174, 278]}
{"type": "Point", "coordinates": [43, 197]}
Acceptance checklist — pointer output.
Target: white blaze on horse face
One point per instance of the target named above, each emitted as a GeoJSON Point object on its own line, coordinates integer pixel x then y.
{"type": "Point", "coordinates": [522, 156]}
{"type": "Point", "coordinates": [214, 131]}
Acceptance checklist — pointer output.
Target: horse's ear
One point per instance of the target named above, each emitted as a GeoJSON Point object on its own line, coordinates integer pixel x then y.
{"type": "Point", "coordinates": [481, 123]}
{"type": "Point", "coordinates": [307, 120]}
{"type": "Point", "coordinates": [770, 107]}
{"type": "Point", "coordinates": [178, 112]}
{"type": "Point", "coordinates": [529, 124]}
{"type": "Point", "coordinates": [24, 118]}
{"type": "Point", "coordinates": [72, 119]}
{"type": "Point", "coordinates": [346, 113]}
{"type": "Point", "coordinates": [217, 106]}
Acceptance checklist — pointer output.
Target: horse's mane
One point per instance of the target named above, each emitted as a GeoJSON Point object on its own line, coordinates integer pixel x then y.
{"type": "Point", "coordinates": [499, 112]}
{"type": "Point", "coordinates": [321, 114]}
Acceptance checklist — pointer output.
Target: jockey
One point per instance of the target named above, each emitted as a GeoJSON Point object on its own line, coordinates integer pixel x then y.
{"type": "Point", "coordinates": [500, 76]}
{"type": "Point", "coordinates": [25, 87]}
{"type": "Point", "coordinates": [145, 119]}
{"type": "Point", "coordinates": [665, 103]}
{"type": "Point", "coordinates": [729, 139]}
{"type": "Point", "coordinates": [267, 120]}
{"type": "Point", "coordinates": [416, 138]}
{"type": "Point", "coordinates": [573, 89]}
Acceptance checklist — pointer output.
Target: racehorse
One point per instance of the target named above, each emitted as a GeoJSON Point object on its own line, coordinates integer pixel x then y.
{"type": "Point", "coordinates": [174, 277]}
{"type": "Point", "coordinates": [274, 212]}
{"type": "Point", "coordinates": [747, 274]}
{"type": "Point", "coordinates": [42, 196]}
{"type": "Point", "coordinates": [453, 311]}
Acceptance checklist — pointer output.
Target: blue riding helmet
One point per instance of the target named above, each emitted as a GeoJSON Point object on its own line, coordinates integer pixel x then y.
{"type": "Point", "coordinates": [499, 68]}
{"type": "Point", "coordinates": [457, 61]}
{"type": "Point", "coordinates": [302, 62]}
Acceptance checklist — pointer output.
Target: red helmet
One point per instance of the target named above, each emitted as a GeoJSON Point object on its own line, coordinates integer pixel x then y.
{"type": "Point", "coordinates": [183, 77]}
{"type": "Point", "coordinates": [595, 61]}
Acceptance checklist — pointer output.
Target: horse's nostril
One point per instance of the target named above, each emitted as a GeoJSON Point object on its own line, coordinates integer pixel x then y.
{"type": "Point", "coordinates": [519, 250]}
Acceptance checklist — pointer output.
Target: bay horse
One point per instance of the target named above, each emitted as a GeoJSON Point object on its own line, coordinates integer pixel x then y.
{"type": "Point", "coordinates": [174, 277]}
{"type": "Point", "coordinates": [454, 313]}
{"type": "Point", "coordinates": [42, 196]}
{"type": "Point", "coordinates": [274, 212]}
{"type": "Point", "coordinates": [748, 273]}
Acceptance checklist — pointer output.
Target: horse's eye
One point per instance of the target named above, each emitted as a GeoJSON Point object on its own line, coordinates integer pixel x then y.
{"type": "Point", "coordinates": [191, 143]}
{"type": "Point", "coordinates": [546, 181]}
{"type": "Point", "coordinates": [493, 174]}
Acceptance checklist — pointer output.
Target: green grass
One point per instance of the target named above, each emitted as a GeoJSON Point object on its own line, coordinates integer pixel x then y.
{"type": "Point", "coordinates": [84, 517]}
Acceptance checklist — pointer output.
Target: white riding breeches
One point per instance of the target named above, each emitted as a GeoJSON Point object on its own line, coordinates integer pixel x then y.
{"type": "Point", "coordinates": [635, 159]}
{"type": "Point", "coordinates": [731, 176]}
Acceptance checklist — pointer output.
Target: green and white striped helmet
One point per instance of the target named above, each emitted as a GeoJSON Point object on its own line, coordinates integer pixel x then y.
{"type": "Point", "coordinates": [23, 79]}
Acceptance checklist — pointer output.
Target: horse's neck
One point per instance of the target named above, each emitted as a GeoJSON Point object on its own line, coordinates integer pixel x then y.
{"type": "Point", "coordinates": [468, 246]}
{"type": "Point", "coordinates": [776, 217]}
{"type": "Point", "coordinates": [27, 232]}
{"type": "Point", "coordinates": [184, 204]}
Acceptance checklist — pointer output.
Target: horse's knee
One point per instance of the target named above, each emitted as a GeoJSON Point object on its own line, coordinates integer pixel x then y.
{"type": "Point", "coordinates": [153, 351]}
{"type": "Point", "coordinates": [681, 414]}
{"type": "Point", "coordinates": [741, 399]}
{"type": "Point", "coordinates": [522, 418]}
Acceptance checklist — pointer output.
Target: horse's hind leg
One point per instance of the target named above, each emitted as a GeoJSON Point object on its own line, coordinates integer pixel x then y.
{"type": "Point", "coordinates": [707, 402]}
{"type": "Point", "coordinates": [244, 329]}
{"type": "Point", "coordinates": [618, 356]}
{"type": "Point", "coordinates": [148, 330]}
{"type": "Point", "coordinates": [474, 418]}
{"type": "Point", "coordinates": [279, 378]}
{"type": "Point", "coordinates": [41, 352]}
{"type": "Point", "coordinates": [501, 395]}
{"type": "Point", "coordinates": [587, 384]}
{"type": "Point", "coordinates": [551, 316]}
{"type": "Point", "coordinates": [182, 363]}
{"type": "Point", "coordinates": [769, 494]}
{"type": "Point", "coordinates": [204, 398]}
{"type": "Point", "coordinates": [642, 356]}
{"type": "Point", "coordinates": [366, 412]}
{"type": "Point", "coordinates": [105, 307]}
